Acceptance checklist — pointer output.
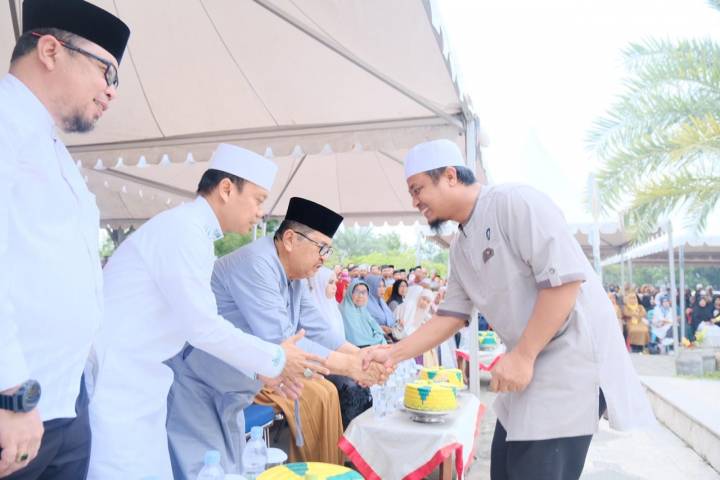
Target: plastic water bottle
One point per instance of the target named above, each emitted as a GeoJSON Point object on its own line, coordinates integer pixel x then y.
{"type": "Point", "coordinates": [212, 469]}
{"type": "Point", "coordinates": [254, 457]}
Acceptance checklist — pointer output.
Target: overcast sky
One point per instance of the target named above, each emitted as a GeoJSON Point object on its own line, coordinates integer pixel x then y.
{"type": "Point", "coordinates": [540, 72]}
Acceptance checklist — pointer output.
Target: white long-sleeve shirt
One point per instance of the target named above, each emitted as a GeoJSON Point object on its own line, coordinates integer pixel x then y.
{"type": "Point", "coordinates": [157, 297]}
{"type": "Point", "coordinates": [50, 277]}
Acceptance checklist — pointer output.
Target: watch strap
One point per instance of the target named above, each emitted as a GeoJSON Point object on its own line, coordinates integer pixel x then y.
{"type": "Point", "coordinates": [9, 402]}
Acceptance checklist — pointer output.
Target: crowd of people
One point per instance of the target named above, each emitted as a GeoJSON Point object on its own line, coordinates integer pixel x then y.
{"type": "Point", "coordinates": [645, 314]}
{"type": "Point", "coordinates": [136, 369]}
{"type": "Point", "coordinates": [378, 303]}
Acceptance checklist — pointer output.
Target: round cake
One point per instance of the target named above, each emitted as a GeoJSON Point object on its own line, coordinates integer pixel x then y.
{"type": "Point", "coordinates": [430, 396]}
{"type": "Point", "coordinates": [453, 376]}
{"type": "Point", "coordinates": [313, 470]}
{"type": "Point", "coordinates": [487, 340]}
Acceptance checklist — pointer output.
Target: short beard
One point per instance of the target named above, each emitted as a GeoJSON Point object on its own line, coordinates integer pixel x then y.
{"type": "Point", "coordinates": [436, 225]}
{"type": "Point", "coordinates": [75, 123]}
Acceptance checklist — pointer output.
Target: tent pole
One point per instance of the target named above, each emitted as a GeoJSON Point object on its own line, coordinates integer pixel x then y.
{"type": "Point", "coordinates": [15, 17]}
{"type": "Point", "coordinates": [630, 271]}
{"type": "Point", "coordinates": [254, 232]}
{"type": "Point", "coordinates": [622, 272]}
{"type": "Point", "coordinates": [673, 289]}
{"type": "Point", "coordinates": [681, 267]}
{"type": "Point", "coordinates": [474, 347]}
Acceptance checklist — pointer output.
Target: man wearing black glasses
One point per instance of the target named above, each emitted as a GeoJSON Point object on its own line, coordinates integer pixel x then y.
{"type": "Point", "coordinates": [261, 289]}
{"type": "Point", "coordinates": [63, 76]}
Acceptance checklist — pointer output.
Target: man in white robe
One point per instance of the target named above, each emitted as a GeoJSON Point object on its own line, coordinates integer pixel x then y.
{"type": "Point", "coordinates": [157, 298]}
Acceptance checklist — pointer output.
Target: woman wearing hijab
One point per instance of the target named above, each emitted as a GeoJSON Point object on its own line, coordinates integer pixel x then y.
{"type": "Point", "coordinates": [638, 332]}
{"type": "Point", "coordinates": [661, 322]}
{"type": "Point", "coordinates": [361, 329]}
{"type": "Point", "coordinates": [702, 312]}
{"type": "Point", "coordinates": [412, 313]}
{"type": "Point", "coordinates": [397, 294]}
{"type": "Point", "coordinates": [354, 399]}
{"type": "Point", "coordinates": [323, 286]}
{"type": "Point", "coordinates": [376, 305]}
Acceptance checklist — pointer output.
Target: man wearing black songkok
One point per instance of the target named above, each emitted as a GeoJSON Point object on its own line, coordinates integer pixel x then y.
{"type": "Point", "coordinates": [260, 288]}
{"type": "Point", "coordinates": [63, 76]}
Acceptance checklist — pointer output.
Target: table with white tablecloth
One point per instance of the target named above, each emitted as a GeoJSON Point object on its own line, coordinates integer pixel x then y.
{"type": "Point", "coordinates": [395, 447]}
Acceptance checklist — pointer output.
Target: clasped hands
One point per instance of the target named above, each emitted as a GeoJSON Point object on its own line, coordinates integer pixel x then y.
{"type": "Point", "coordinates": [299, 365]}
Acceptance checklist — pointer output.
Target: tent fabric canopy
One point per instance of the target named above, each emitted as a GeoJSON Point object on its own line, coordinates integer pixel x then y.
{"type": "Point", "coordinates": [341, 81]}
{"type": "Point", "coordinates": [698, 249]}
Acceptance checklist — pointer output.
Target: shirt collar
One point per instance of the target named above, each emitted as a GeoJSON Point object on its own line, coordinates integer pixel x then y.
{"type": "Point", "coordinates": [31, 114]}
{"type": "Point", "coordinates": [463, 228]}
{"type": "Point", "coordinates": [211, 224]}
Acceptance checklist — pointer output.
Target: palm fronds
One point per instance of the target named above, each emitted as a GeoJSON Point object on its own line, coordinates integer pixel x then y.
{"type": "Point", "coordinates": [660, 142]}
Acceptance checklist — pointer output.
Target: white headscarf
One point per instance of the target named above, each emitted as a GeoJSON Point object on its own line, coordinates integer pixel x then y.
{"type": "Point", "coordinates": [407, 311]}
{"type": "Point", "coordinates": [328, 306]}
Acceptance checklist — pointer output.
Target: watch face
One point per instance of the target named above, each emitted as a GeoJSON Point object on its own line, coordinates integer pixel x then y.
{"type": "Point", "coordinates": [32, 394]}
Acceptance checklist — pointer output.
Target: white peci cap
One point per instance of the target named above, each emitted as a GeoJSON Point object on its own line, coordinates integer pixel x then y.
{"type": "Point", "coordinates": [431, 155]}
{"type": "Point", "coordinates": [244, 164]}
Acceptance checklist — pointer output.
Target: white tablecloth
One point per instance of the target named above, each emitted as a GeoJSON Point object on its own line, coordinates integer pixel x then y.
{"type": "Point", "coordinates": [395, 447]}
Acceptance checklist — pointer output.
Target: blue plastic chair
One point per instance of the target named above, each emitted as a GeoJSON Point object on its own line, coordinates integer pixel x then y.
{"type": "Point", "coordinates": [259, 416]}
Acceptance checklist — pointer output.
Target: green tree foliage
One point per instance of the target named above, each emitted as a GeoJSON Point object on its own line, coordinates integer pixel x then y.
{"type": "Point", "coordinates": [232, 241]}
{"type": "Point", "coordinates": [363, 246]}
{"type": "Point", "coordinates": [660, 142]}
{"type": "Point", "coordinates": [658, 275]}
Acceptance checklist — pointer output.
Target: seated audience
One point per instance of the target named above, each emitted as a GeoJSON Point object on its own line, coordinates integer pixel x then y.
{"type": "Point", "coordinates": [376, 305]}
{"type": "Point", "coordinates": [354, 399]}
{"type": "Point", "coordinates": [397, 294]}
{"type": "Point", "coordinates": [638, 333]}
{"type": "Point", "coordinates": [412, 313]}
{"type": "Point", "coordinates": [662, 323]}
{"type": "Point", "coordinates": [361, 329]}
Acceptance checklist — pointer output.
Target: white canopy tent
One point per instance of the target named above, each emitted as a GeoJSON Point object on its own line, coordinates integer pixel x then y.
{"type": "Point", "coordinates": [335, 91]}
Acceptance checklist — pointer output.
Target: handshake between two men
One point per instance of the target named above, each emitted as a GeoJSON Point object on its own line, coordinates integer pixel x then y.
{"type": "Point", "coordinates": [348, 360]}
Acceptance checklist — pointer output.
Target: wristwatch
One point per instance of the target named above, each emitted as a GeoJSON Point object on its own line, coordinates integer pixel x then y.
{"type": "Point", "coordinates": [24, 399]}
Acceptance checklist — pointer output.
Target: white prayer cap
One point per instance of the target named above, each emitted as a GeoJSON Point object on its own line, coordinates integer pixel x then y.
{"type": "Point", "coordinates": [431, 155]}
{"type": "Point", "coordinates": [244, 164]}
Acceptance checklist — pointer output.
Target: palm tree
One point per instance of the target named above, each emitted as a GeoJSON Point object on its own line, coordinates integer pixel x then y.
{"type": "Point", "coordinates": [660, 142]}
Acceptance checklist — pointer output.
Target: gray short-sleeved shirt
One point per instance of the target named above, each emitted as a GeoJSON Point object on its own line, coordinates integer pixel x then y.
{"type": "Point", "coordinates": [516, 243]}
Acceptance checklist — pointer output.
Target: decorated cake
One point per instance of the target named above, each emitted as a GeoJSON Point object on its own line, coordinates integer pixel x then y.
{"type": "Point", "coordinates": [453, 376]}
{"type": "Point", "coordinates": [487, 340]}
{"type": "Point", "coordinates": [309, 470]}
{"type": "Point", "coordinates": [430, 396]}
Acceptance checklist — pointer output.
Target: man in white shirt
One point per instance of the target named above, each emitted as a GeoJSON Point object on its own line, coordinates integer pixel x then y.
{"type": "Point", "coordinates": [63, 74]}
{"type": "Point", "coordinates": [157, 298]}
{"type": "Point", "coordinates": [566, 356]}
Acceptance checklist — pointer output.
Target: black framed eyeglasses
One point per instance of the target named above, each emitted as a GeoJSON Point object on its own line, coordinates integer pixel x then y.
{"type": "Point", "coordinates": [325, 250]}
{"type": "Point", "coordinates": [111, 73]}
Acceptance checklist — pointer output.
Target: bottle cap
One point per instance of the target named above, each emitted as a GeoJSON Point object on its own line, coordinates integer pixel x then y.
{"type": "Point", "coordinates": [212, 457]}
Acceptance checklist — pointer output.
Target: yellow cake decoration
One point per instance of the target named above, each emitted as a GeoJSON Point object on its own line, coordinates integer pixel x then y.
{"type": "Point", "coordinates": [430, 396]}
{"type": "Point", "coordinates": [453, 376]}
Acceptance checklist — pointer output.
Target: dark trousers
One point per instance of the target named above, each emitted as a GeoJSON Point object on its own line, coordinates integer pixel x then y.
{"type": "Point", "coordinates": [65, 449]}
{"type": "Point", "coordinates": [552, 459]}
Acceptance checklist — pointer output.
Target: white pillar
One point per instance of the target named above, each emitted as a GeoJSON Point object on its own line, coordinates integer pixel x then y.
{"type": "Point", "coordinates": [673, 288]}
{"type": "Point", "coordinates": [681, 267]}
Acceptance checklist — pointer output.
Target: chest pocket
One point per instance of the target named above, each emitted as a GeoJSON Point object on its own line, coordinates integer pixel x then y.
{"type": "Point", "coordinates": [499, 268]}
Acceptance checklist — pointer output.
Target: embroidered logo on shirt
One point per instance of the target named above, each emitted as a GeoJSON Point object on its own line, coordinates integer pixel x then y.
{"type": "Point", "coordinates": [488, 254]}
